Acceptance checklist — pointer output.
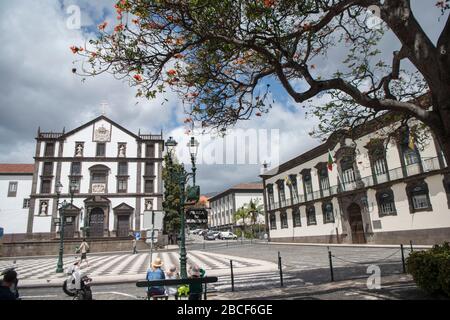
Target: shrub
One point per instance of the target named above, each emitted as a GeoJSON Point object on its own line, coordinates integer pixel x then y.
{"type": "Point", "coordinates": [431, 269]}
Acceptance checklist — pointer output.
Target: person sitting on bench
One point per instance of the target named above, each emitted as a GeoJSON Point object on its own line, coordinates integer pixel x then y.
{"type": "Point", "coordinates": [156, 274]}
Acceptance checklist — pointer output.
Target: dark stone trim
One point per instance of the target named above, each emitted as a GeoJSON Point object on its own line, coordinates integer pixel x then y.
{"type": "Point", "coordinates": [96, 159]}
{"type": "Point", "coordinates": [137, 218]}
{"type": "Point", "coordinates": [89, 195]}
{"type": "Point", "coordinates": [411, 185]}
{"type": "Point", "coordinates": [33, 191]}
{"type": "Point", "coordinates": [58, 178]}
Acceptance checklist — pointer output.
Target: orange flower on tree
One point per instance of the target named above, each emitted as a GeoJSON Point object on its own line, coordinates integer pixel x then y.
{"type": "Point", "coordinates": [178, 56]}
{"type": "Point", "coordinates": [103, 26]}
{"type": "Point", "coordinates": [269, 3]}
{"type": "Point", "coordinates": [75, 49]}
{"type": "Point", "coordinates": [138, 78]}
{"type": "Point", "coordinates": [119, 28]}
{"type": "Point", "coordinates": [172, 72]}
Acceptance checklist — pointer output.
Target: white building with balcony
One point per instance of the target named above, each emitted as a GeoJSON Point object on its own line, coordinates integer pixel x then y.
{"type": "Point", "coordinates": [378, 191]}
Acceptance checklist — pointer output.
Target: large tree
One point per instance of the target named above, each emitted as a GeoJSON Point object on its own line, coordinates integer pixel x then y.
{"type": "Point", "coordinates": [222, 56]}
{"type": "Point", "coordinates": [172, 194]}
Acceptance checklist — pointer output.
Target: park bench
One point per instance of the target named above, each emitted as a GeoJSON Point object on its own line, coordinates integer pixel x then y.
{"type": "Point", "coordinates": [175, 282]}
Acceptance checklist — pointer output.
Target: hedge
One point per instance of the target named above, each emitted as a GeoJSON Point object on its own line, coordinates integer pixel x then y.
{"type": "Point", "coordinates": [431, 269]}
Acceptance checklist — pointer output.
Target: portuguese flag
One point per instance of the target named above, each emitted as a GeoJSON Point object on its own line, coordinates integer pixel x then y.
{"type": "Point", "coordinates": [330, 161]}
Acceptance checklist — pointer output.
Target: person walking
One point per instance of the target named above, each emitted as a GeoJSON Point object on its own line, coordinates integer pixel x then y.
{"type": "Point", "coordinates": [196, 290]}
{"type": "Point", "coordinates": [134, 246]}
{"type": "Point", "coordinates": [84, 249]}
{"type": "Point", "coordinates": [172, 274]}
{"type": "Point", "coordinates": [156, 273]}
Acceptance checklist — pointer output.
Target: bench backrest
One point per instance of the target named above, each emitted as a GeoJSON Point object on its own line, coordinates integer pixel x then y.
{"type": "Point", "coordinates": [175, 282]}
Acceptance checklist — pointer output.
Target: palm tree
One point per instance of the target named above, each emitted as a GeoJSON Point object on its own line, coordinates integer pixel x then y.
{"type": "Point", "coordinates": [242, 214]}
{"type": "Point", "coordinates": [256, 209]}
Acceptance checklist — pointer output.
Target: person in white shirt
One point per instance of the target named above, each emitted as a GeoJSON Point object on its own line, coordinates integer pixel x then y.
{"type": "Point", "coordinates": [84, 248]}
{"type": "Point", "coordinates": [172, 291]}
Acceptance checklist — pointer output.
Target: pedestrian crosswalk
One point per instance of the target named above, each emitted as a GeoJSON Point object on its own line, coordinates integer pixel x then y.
{"type": "Point", "coordinates": [128, 264]}
{"type": "Point", "coordinates": [255, 281]}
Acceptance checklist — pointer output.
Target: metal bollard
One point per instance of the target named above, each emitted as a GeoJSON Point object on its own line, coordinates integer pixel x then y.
{"type": "Point", "coordinates": [232, 276]}
{"type": "Point", "coordinates": [280, 267]}
{"type": "Point", "coordinates": [403, 258]}
{"type": "Point", "coordinates": [330, 258]}
{"type": "Point", "coordinates": [411, 245]}
{"type": "Point", "coordinates": [206, 292]}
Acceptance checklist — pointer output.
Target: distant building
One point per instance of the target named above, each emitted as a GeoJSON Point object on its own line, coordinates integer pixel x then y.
{"type": "Point", "coordinates": [116, 174]}
{"type": "Point", "coordinates": [377, 191]}
{"type": "Point", "coordinates": [15, 188]}
{"type": "Point", "coordinates": [225, 204]}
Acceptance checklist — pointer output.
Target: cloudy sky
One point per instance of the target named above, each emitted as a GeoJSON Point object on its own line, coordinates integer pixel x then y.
{"type": "Point", "coordinates": [38, 89]}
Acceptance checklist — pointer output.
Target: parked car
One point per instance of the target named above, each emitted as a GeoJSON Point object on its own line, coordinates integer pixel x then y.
{"type": "Point", "coordinates": [216, 234]}
{"type": "Point", "coordinates": [202, 233]}
{"type": "Point", "coordinates": [209, 236]}
{"type": "Point", "coordinates": [228, 236]}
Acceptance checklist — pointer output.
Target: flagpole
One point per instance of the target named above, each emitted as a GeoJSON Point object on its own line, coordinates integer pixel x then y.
{"type": "Point", "coordinates": [341, 180]}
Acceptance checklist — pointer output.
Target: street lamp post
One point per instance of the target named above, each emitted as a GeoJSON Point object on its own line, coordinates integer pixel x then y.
{"type": "Point", "coordinates": [182, 178]}
{"type": "Point", "coordinates": [62, 222]}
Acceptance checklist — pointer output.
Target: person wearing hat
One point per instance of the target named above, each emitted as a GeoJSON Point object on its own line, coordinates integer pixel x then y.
{"type": "Point", "coordinates": [196, 290]}
{"type": "Point", "coordinates": [156, 273]}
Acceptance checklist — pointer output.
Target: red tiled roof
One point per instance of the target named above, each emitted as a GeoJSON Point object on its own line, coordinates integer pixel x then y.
{"type": "Point", "coordinates": [249, 186]}
{"type": "Point", "coordinates": [16, 168]}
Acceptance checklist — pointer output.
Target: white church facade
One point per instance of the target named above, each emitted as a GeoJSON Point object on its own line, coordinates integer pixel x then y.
{"type": "Point", "coordinates": [116, 176]}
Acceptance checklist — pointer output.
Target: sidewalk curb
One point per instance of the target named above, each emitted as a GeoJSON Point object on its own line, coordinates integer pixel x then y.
{"type": "Point", "coordinates": [344, 245]}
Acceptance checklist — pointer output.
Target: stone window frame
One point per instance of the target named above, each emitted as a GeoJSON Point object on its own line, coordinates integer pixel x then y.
{"type": "Point", "coordinates": [151, 146]}
{"type": "Point", "coordinates": [410, 192]}
{"type": "Point", "coordinates": [96, 169]}
{"type": "Point", "coordinates": [77, 180]}
{"type": "Point", "coordinates": [293, 188]}
{"type": "Point", "coordinates": [42, 191]}
{"type": "Point", "coordinates": [378, 196]}
{"type": "Point", "coordinates": [270, 195]}
{"type": "Point", "coordinates": [26, 203]}
{"type": "Point", "coordinates": [97, 155]}
{"type": "Point", "coordinates": [72, 173]}
{"type": "Point", "coordinates": [446, 182]}
{"type": "Point", "coordinates": [153, 186]}
{"type": "Point", "coordinates": [281, 191]}
{"type": "Point", "coordinates": [284, 222]}
{"type": "Point", "coordinates": [306, 173]}
{"type": "Point", "coordinates": [296, 213]}
{"type": "Point", "coordinates": [119, 166]}
{"type": "Point", "coordinates": [13, 193]}
{"type": "Point", "coordinates": [325, 218]}
{"type": "Point", "coordinates": [273, 221]}
{"type": "Point", "coordinates": [45, 171]}
{"type": "Point", "coordinates": [309, 210]}
{"type": "Point", "coordinates": [373, 150]}
{"type": "Point", "coordinates": [322, 167]}
{"type": "Point", "coordinates": [149, 174]}
{"type": "Point", "coordinates": [122, 180]}
{"type": "Point", "coordinates": [47, 154]}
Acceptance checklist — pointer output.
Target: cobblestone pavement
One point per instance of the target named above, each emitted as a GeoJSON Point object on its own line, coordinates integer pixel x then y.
{"type": "Point", "coordinates": [116, 265]}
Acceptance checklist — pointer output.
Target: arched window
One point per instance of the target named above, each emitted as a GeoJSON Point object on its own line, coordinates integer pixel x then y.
{"type": "Point", "coordinates": [410, 155]}
{"type": "Point", "coordinates": [418, 196]}
{"type": "Point", "coordinates": [273, 221]}
{"type": "Point", "coordinates": [311, 215]}
{"type": "Point", "coordinates": [377, 156]}
{"type": "Point", "coordinates": [296, 217]}
{"type": "Point", "coordinates": [284, 220]}
{"type": "Point", "coordinates": [328, 212]}
{"type": "Point", "coordinates": [386, 203]}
